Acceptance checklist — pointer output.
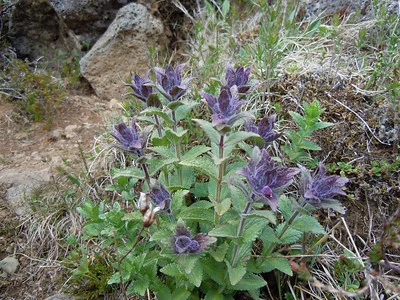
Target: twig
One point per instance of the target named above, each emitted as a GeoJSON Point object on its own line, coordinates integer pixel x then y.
{"type": "Point", "coordinates": [358, 116]}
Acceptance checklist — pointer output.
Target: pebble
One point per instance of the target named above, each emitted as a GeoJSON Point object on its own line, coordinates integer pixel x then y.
{"type": "Point", "coordinates": [9, 265]}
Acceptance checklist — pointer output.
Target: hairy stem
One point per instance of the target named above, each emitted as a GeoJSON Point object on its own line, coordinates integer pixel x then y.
{"type": "Point", "coordinates": [157, 120]}
{"type": "Point", "coordinates": [146, 174]}
{"type": "Point", "coordinates": [240, 229]}
{"type": "Point", "coordinates": [221, 170]}
{"type": "Point", "coordinates": [177, 149]}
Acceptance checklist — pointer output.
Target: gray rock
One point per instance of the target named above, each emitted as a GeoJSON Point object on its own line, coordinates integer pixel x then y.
{"type": "Point", "coordinates": [88, 19]}
{"type": "Point", "coordinates": [37, 30]}
{"type": "Point", "coordinates": [9, 265]}
{"type": "Point", "coordinates": [60, 296]}
{"type": "Point", "coordinates": [122, 50]}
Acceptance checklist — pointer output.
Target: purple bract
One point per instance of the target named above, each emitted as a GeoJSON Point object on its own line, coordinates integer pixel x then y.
{"type": "Point", "coordinates": [265, 129]}
{"type": "Point", "coordinates": [182, 243]}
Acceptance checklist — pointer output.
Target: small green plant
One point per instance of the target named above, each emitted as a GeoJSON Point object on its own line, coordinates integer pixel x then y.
{"type": "Point", "coordinates": [35, 93]}
{"type": "Point", "coordinates": [298, 146]}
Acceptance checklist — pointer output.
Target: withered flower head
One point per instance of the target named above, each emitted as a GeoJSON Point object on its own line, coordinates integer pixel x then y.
{"type": "Point", "coordinates": [182, 243]}
{"type": "Point", "coordinates": [238, 77]}
{"type": "Point", "coordinates": [264, 129]}
{"type": "Point", "coordinates": [129, 138]}
{"type": "Point", "coordinates": [265, 178]}
{"type": "Point", "coordinates": [320, 190]}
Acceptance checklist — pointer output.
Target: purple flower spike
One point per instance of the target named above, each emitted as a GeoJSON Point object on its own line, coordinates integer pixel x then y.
{"type": "Point", "coordinates": [141, 87]}
{"type": "Point", "coordinates": [161, 197]}
{"type": "Point", "coordinates": [238, 77]}
{"type": "Point", "coordinates": [129, 139]}
{"type": "Point", "coordinates": [265, 178]}
{"type": "Point", "coordinates": [170, 81]}
{"type": "Point", "coordinates": [182, 243]}
{"type": "Point", "coordinates": [265, 129]}
{"type": "Point", "coordinates": [224, 108]}
{"type": "Point", "coordinates": [320, 190]}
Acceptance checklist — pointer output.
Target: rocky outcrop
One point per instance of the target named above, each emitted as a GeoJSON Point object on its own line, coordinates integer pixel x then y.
{"type": "Point", "coordinates": [37, 30]}
{"type": "Point", "coordinates": [88, 19]}
{"type": "Point", "coordinates": [122, 50]}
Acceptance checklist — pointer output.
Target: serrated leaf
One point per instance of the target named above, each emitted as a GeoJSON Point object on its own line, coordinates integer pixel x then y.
{"type": "Point", "coordinates": [225, 230]}
{"type": "Point", "coordinates": [322, 125]}
{"type": "Point", "coordinates": [197, 214]}
{"type": "Point", "coordinates": [253, 228]}
{"type": "Point", "coordinates": [309, 145]}
{"type": "Point", "coordinates": [268, 215]}
{"type": "Point", "coordinates": [138, 287]}
{"type": "Point", "coordinates": [268, 236]}
{"type": "Point", "coordinates": [157, 164]}
{"type": "Point", "coordinates": [160, 234]}
{"type": "Point", "coordinates": [165, 152]}
{"type": "Point", "coordinates": [290, 236]}
{"type": "Point", "coordinates": [175, 137]}
{"type": "Point", "coordinates": [249, 282]}
{"type": "Point", "coordinates": [214, 295]}
{"type": "Point", "coordinates": [158, 112]}
{"type": "Point", "coordinates": [160, 142]}
{"type": "Point", "coordinates": [279, 263]}
{"type": "Point", "coordinates": [195, 151]}
{"type": "Point", "coordinates": [215, 270]}
{"type": "Point", "coordinates": [285, 206]}
{"type": "Point", "coordinates": [203, 164]}
{"type": "Point", "coordinates": [195, 276]}
{"type": "Point", "coordinates": [236, 273]}
{"type": "Point", "coordinates": [220, 252]}
{"type": "Point", "coordinates": [182, 111]}
{"type": "Point", "coordinates": [188, 262]}
{"type": "Point", "coordinates": [129, 172]}
{"type": "Point", "coordinates": [237, 137]}
{"type": "Point", "coordinates": [179, 293]}
{"type": "Point", "coordinates": [173, 270]}
{"type": "Point", "coordinates": [306, 223]}
{"type": "Point", "coordinates": [297, 118]}
{"type": "Point", "coordinates": [209, 130]}
{"type": "Point", "coordinates": [223, 206]}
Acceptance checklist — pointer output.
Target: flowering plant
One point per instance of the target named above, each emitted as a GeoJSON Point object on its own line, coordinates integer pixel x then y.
{"type": "Point", "coordinates": [198, 210]}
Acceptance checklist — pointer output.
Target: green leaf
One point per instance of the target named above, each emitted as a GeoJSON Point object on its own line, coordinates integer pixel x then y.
{"type": "Point", "coordinates": [309, 145]}
{"type": "Point", "coordinates": [157, 164]}
{"type": "Point", "coordinates": [290, 236]}
{"type": "Point", "coordinates": [219, 253]}
{"type": "Point", "coordinates": [214, 295]}
{"type": "Point", "coordinates": [225, 8]}
{"type": "Point", "coordinates": [138, 287]}
{"type": "Point", "coordinates": [195, 151]}
{"type": "Point", "coordinates": [268, 236]}
{"type": "Point", "coordinates": [268, 215]}
{"type": "Point", "coordinates": [188, 262]}
{"type": "Point", "coordinates": [236, 273]}
{"type": "Point", "coordinates": [175, 137]}
{"type": "Point", "coordinates": [307, 224]}
{"type": "Point", "coordinates": [221, 208]}
{"type": "Point", "coordinates": [197, 214]}
{"type": "Point", "coordinates": [239, 136]}
{"type": "Point", "coordinates": [165, 152]}
{"type": "Point", "coordinates": [158, 112]}
{"type": "Point", "coordinates": [183, 110]}
{"type": "Point", "coordinates": [209, 130]}
{"type": "Point", "coordinates": [279, 263]}
{"type": "Point", "coordinates": [249, 282]}
{"type": "Point", "coordinates": [225, 230]}
{"type": "Point", "coordinates": [322, 125]}
{"type": "Point", "coordinates": [297, 118]}
{"type": "Point", "coordinates": [129, 172]}
{"type": "Point", "coordinates": [253, 229]}
{"type": "Point", "coordinates": [163, 141]}
{"type": "Point", "coordinates": [285, 206]}
{"type": "Point", "coordinates": [313, 27]}
{"type": "Point", "coordinates": [216, 271]}
{"type": "Point", "coordinates": [179, 293]}
{"type": "Point", "coordinates": [195, 276]}
{"type": "Point", "coordinates": [203, 164]}
{"type": "Point", "coordinates": [173, 270]}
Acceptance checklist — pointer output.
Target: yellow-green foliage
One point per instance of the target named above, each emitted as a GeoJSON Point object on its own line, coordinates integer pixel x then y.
{"type": "Point", "coordinates": [35, 93]}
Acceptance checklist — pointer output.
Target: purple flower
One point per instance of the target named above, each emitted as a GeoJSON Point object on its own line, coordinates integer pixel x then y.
{"type": "Point", "coordinates": [161, 197]}
{"type": "Point", "coordinates": [238, 77]}
{"type": "Point", "coordinates": [264, 129]}
{"type": "Point", "coordinates": [129, 139]}
{"type": "Point", "coordinates": [182, 243]}
{"type": "Point", "coordinates": [224, 109]}
{"type": "Point", "coordinates": [320, 190]}
{"type": "Point", "coordinates": [170, 81]}
{"type": "Point", "coordinates": [265, 178]}
{"type": "Point", "coordinates": [141, 87]}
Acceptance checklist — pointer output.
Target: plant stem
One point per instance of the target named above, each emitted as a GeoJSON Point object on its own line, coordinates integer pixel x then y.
{"type": "Point", "coordinates": [157, 120]}
{"type": "Point", "coordinates": [221, 169]}
{"type": "Point", "coordinates": [285, 228]}
{"type": "Point", "coordinates": [177, 149]}
{"type": "Point", "coordinates": [240, 229]}
{"type": "Point", "coordinates": [146, 174]}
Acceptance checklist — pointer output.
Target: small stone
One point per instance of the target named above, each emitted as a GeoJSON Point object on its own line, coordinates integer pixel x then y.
{"type": "Point", "coordinates": [70, 131]}
{"type": "Point", "coordinates": [9, 265]}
